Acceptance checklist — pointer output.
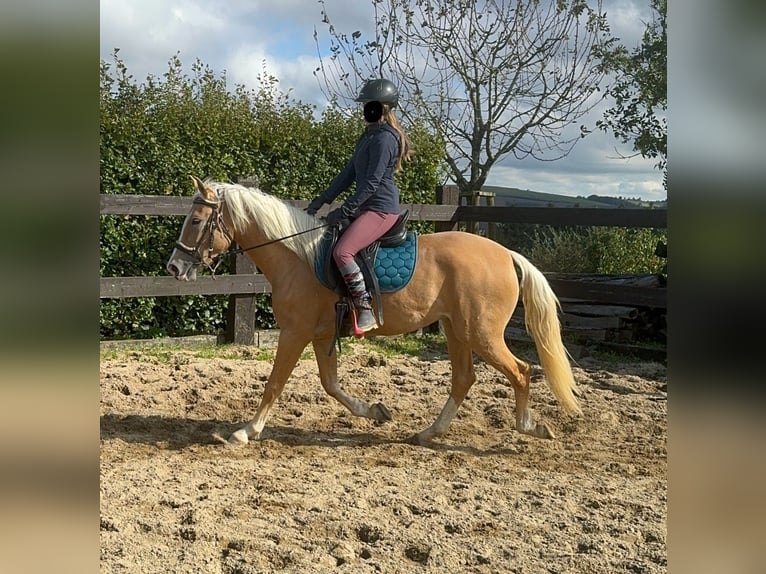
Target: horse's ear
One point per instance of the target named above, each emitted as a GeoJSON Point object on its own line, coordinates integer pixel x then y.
{"type": "Point", "coordinates": [203, 190]}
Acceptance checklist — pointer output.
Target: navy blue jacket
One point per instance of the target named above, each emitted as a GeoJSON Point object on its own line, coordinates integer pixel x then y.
{"type": "Point", "coordinates": [372, 167]}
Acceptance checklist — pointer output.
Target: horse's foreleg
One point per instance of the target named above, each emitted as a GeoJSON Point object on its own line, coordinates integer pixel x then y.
{"type": "Point", "coordinates": [288, 352]}
{"type": "Point", "coordinates": [328, 374]}
{"type": "Point", "coordinates": [463, 378]}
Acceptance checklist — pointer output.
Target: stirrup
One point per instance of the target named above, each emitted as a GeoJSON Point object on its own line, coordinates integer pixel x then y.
{"type": "Point", "coordinates": [362, 317]}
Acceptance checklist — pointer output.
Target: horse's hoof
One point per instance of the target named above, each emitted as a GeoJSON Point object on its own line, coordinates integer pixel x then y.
{"type": "Point", "coordinates": [379, 412]}
{"type": "Point", "coordinates": [413, 440]}
{"type": "Point", "coordinates": [419, 439]}
{"type": "Point", "coordinates": [239, 438]}
{"type": "Point", "coordinates": [543, 431]}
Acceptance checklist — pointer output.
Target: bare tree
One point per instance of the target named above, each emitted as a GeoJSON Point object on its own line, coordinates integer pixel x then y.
{"type": "Point", "coordinates": [491, 77]}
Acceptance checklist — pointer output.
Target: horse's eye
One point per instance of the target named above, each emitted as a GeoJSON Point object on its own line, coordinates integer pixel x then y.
{"type": "Point", "coordinates": [196, 221]}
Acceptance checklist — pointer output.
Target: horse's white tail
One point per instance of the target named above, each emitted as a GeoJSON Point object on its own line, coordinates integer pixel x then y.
{"type": "Point", "coordinates": [542, 323]}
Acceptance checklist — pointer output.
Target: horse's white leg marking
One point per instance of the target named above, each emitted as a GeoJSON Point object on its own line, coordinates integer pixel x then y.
{"type": "Point", "coordinates": [525, 422]}
{"type": "Point", "coordinates": [238, 437]}
{"type": "Point", "coordinates": [254, 427]}
{"type": "Point", "coordinates": [442, 422]}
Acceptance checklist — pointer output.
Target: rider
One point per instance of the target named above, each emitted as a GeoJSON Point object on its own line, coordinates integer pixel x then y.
{"type": "Point", "coordinates": [373, 209]}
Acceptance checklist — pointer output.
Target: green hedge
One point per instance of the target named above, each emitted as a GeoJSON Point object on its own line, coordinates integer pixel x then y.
{"type": "Point", "coordinates": [156, 133]}
{"type": "Point", "coordinates": [584, 249]}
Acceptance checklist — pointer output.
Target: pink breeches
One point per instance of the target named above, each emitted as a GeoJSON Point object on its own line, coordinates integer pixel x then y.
{"type": "Point", "coordinates": [365, 229]}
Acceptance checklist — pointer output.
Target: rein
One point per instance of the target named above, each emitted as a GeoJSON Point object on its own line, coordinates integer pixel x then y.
{"type": "Point", "coordinates": [244, 249]}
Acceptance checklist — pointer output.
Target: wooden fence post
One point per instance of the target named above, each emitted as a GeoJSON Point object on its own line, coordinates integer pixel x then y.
{"type": "Point", "coordinates": [240, 315]}
{"type": "Point", "coordinates": [491, 226]}
{"type": "Point", "coordinates": [447, 195]}
{"type": "Point", "coordinates": [474, 199]}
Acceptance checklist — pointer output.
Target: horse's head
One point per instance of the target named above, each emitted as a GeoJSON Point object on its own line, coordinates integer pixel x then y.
{"type": "Point", "coordinates": [204, 235]}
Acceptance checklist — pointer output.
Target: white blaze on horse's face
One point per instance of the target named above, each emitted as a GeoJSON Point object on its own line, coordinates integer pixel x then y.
{"type": "Point", "coordinates": [203, 236]}
{"type": "Point", "coordinates": [183, 264]}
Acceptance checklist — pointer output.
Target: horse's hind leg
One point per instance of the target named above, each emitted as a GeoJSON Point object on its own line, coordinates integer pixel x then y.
{"type": "Point", "coordinates": [518, 373]}
{"type": "Point", "coordinates": [463, 378]}
{"type": "Point", "coordinates": [328, 374]}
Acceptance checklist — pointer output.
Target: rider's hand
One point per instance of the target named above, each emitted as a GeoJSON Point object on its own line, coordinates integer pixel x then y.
{"type": "Point", "coordinates": [337, 216]}
{"type": "Point", "coordinates": [315, 205]}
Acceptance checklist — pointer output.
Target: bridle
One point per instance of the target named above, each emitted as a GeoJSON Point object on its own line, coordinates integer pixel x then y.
{"type": "Point", "coordinates": [213, 223]}
{"type": "Point", "coordinates": [216, 222]}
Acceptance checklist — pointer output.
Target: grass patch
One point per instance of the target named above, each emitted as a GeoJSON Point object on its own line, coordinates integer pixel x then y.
{"type": "Point", "coordinates": [176, 354]}
{"type": "Point", "coordinates": [410, 344]}
{"type": "Point", "coordinates": [638, 353]}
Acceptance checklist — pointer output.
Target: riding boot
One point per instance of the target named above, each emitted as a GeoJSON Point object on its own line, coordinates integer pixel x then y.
{"type": "Point", "coordinates": [360, 297]}
{"type": "Point", "coordinates": [365, 318]}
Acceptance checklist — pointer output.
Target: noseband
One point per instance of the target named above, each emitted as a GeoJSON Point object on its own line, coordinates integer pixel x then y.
{"type": "Point", "coordinates": [213, 223]}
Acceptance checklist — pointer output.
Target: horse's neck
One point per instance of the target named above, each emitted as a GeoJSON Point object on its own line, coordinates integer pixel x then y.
{"type": "Point", "coordinates": [273, 260]}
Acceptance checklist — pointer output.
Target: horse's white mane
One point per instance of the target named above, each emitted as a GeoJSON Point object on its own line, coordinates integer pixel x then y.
{"type": "Point", "coordinates": [274, 217]}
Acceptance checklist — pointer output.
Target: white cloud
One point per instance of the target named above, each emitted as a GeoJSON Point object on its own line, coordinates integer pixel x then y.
{"type": "Point", "coordinates": [150, 33]}
{"type": "Point", "coordinates": [613, 181]}
{"type": "Point", "coordinates": [188, 16]}
{"type": "Point", "coordinates": [593, 167]}
{"type": "Point", "coordinates": [626, 20]}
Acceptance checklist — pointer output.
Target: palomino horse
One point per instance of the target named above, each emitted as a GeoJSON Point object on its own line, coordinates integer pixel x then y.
{"type": "Point", "coordinates": [465, 281]}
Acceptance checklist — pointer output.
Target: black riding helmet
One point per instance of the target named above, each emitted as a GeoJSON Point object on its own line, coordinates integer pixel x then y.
{"type": "Point", "coordinates": [381, 90]}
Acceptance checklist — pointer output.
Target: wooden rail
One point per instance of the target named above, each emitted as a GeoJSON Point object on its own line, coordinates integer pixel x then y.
{"type": "Point", "coordinates": [244, 284]}
{"type": "Point", "coordinates": [122, 287]}
{"type": "Point", "coordinates": [589, 216]}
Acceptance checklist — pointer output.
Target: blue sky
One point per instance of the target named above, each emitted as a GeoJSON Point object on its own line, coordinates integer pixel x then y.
{"type": "Point", "coordinates": [244, 38]}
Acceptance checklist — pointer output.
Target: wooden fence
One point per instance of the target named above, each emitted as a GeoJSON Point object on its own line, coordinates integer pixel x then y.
{"type": "Point", "coordinates": [244, 283]}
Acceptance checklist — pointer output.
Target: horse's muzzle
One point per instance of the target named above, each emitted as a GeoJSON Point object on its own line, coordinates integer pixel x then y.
{"type": "Point", "coordinates": [173, 270]}
{"type": "Point", "coordinates": [181, 269]}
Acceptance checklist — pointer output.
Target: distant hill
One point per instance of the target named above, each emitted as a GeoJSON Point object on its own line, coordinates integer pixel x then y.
{"type": "Point", "coordinates": [626, 202]}
{"type": "Point", "coordinates": [512, 196]}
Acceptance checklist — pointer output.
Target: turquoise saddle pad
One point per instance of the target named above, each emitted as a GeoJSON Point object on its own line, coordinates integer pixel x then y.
{"type": "Point", "coordinates": [394, 266]}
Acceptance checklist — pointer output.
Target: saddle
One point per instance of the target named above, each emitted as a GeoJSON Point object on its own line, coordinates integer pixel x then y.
{"type": "Point", "coordinates": [386, 264]}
